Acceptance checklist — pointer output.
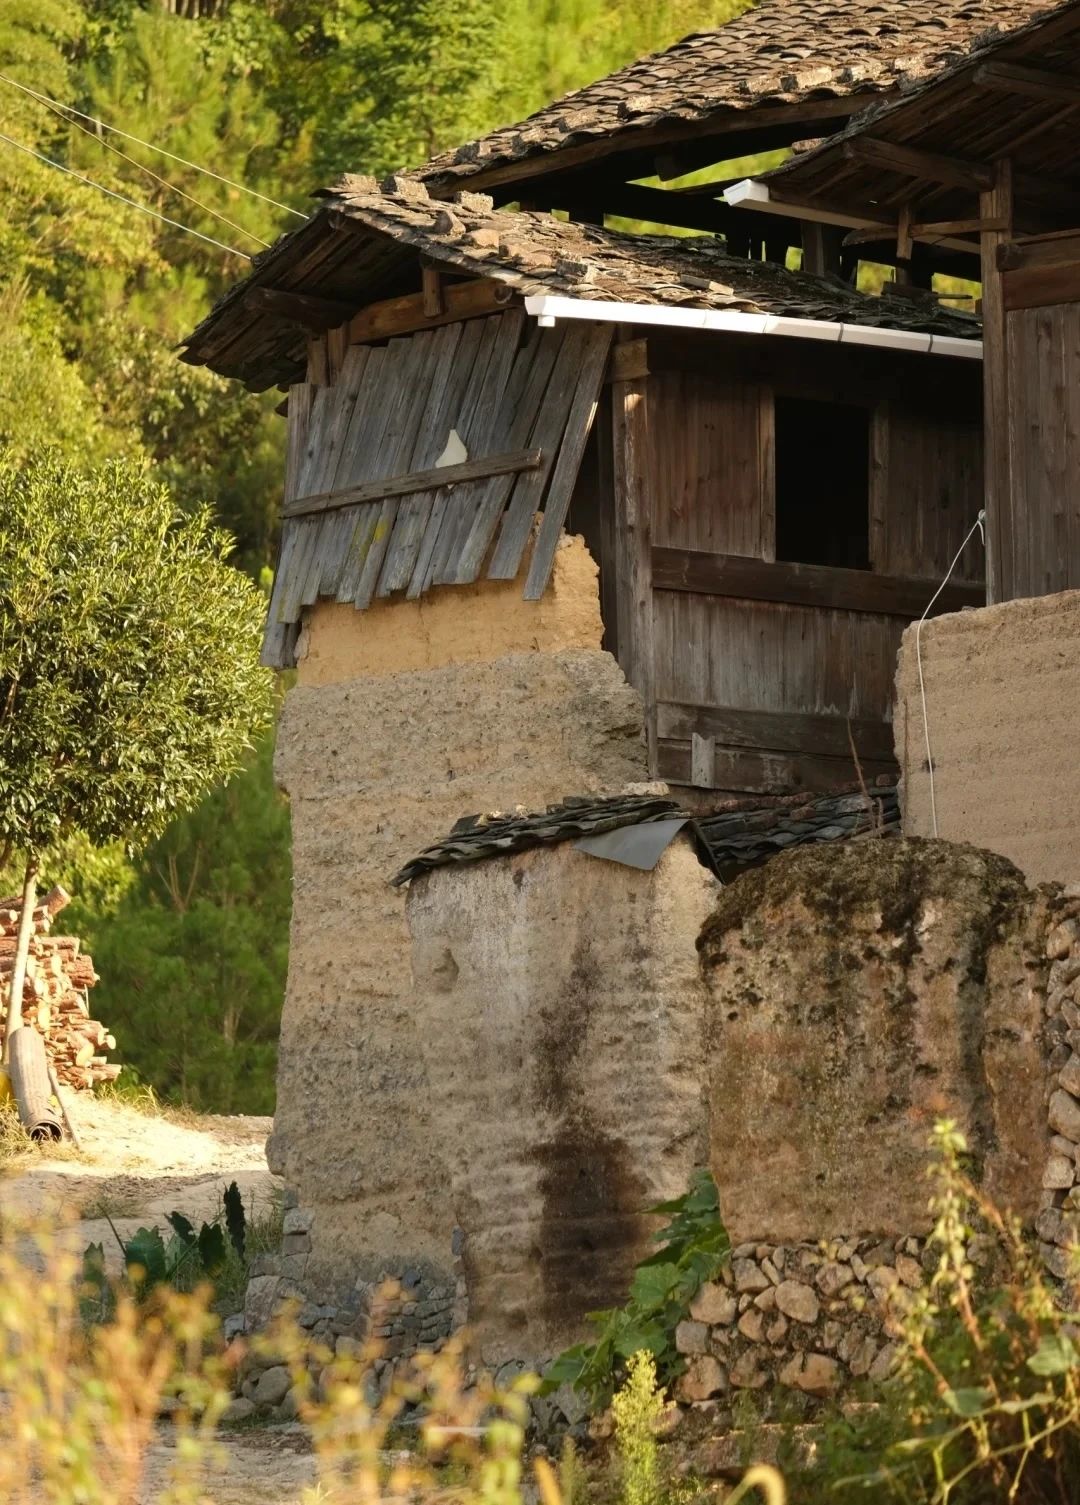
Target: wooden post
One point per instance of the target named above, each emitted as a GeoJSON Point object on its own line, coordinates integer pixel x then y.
{"type": "Point", "coordinates": [633, 545]}
{"type": "Point", "coordinates": [996, 203]}
{"type": "Point", "coordinates": [904, 246]}
{"type": "Point", "coordinates": [22, 951]}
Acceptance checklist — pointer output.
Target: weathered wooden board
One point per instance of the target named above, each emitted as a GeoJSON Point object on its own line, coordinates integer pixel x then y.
{"type": "Point", "coordinates": [1042, 524]}
{"type": "Point", "coordinates": [777, 731]}
{"type": "Point", "coordinates": [369, 511]}
{"type": "Point", "coordinates": [763, 772]}
{"type": "Point", "coordinates": [806, 584]}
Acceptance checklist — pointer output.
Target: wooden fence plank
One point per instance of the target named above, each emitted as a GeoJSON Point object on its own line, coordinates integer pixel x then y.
{"type": "Point", "coordinates": [397, 446]}
{"type": "Point", "coordinates": [430, 442]}
{"type": "Point", "coordinates": [489, 416]}
{"type": "Point", "coordinates": [441, 520]}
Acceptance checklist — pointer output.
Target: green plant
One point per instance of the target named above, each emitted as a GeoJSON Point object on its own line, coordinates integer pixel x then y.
{"type": "Point", "coordinates": [985, 1407]}
{"type": "Point", "coordinates": [636, 1408]}
{"type": "Point", "coordinates": [693, 1249]}
{"type": "Point", "coordinates": [183, 1261]}
{"type": "Point", "coordinates": [129, 677]}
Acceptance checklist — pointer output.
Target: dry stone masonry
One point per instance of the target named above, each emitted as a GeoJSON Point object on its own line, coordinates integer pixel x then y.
{"type": "Point", "coordinates": [1058, 1222]}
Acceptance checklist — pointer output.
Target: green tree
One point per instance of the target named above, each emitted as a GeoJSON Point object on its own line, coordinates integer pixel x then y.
{"type": "Point", "coordinates": [193, 958]}
{"type": "Point", "coordinates": [129, 680]}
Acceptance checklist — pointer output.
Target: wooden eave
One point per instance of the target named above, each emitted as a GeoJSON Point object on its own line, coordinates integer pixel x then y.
{"type": "Point", "coordinates": [973, 116]}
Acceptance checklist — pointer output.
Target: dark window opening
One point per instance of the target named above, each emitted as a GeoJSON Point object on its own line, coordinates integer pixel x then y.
{"type": "Point", "coordinates": [822, 483]}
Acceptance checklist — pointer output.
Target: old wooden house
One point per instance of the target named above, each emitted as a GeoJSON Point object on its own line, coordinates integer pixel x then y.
{"type": "Point", "coordinates": [771, 470]}
{"type": "Point", "coordinates": [771, 474]}
{"type": "Point", "coordinates": [987, 152]}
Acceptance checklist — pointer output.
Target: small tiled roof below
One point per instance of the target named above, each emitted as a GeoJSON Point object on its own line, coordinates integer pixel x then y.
{"type": "Point", "coordinates": [536, 253]}
{"type": "Point", "coordinates": [529, 253]}
{"type": "Point", "coordinates": [741, 833]}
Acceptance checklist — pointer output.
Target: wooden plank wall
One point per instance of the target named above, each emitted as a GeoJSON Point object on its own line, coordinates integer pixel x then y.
{"type": "Point", "coordinates": [1043, 522]}
{"type": "Point", "coordinates": [369, 513]}
{"type": "Point", "coordinates": [764, 694]}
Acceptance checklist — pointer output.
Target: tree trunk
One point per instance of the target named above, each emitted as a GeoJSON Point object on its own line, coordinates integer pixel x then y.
{"type": "Point", "coordinates": [22, 951]}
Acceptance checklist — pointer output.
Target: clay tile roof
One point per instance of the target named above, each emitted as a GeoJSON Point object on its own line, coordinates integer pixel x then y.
{"type": "Point", "coordinates": [742, 832]}
{"type": "Point", "coordinates": [536, 253]}
{"type": "Point", "coordinates": [530, 253]}
{"type": "Point", "coordinates": [778, 52]}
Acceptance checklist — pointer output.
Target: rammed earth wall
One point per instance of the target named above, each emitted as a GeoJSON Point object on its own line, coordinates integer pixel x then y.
{"type": "Point", "coordinates": [381, 752]}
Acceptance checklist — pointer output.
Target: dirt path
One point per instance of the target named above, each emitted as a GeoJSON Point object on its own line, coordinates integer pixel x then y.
{"type": "Point", "coordinates": [137, 1167]}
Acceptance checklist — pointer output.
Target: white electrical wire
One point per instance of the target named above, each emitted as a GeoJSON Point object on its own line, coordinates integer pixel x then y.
{"type": "Point", "coordinates": [115, 129]}
{"type": "Point", "coordinates": [979, 524]}
{"type": "Point", "coordinates": [164, 218]}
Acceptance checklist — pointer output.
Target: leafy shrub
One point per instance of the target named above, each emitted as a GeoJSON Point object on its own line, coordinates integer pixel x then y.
{"type": "Point", "coordinates": [181, 1262]}
{"type": "Point", "coordinates": [986, 1404]}
{"type": "Point", "coordinates": [693, 1249]}
{"type": "Point", "coordinates": [636, 1408]}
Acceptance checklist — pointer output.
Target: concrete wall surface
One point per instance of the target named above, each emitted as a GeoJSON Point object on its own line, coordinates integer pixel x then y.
{"type": "Point", "coordinates": [857, 995]}
{"type": "Point", "coordinates": [1003, 704]}
{"type": "Point", "coordinates": [377, 768]}
{"type": "Point", "coordinates": [559, 1004]}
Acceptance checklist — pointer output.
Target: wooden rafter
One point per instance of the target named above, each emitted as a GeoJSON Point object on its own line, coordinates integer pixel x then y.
{"type": "Point", "coordinates": [404, 315]}
{"type": "Point", "coordinates": [935, 167]}
{"type": "Point", "coordinates": [664, 139]}
{"type": "Point", "coordinates": [300, 308]}
{"type": "Point", "coordinates": [1033, 83]}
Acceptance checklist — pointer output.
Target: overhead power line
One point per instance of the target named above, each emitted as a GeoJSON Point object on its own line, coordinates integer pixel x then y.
{"type": "Point", "coordinates": [61, 114]}
{"type": "Point", "coordinates": [149, 145]}
{"type": "Point", "coordinates": [123, 198]}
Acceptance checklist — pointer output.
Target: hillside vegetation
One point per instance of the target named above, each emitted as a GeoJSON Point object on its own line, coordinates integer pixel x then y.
{"type": "Point", "coordinates": [279, 96]}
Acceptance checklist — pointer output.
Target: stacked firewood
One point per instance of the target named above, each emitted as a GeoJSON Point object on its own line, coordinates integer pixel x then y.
{"type": "Point", "coordinates": [59, 977]}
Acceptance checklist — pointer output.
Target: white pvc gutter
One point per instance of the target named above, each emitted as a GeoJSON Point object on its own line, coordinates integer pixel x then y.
{"type": "Point", "coordinates": [547, 307]}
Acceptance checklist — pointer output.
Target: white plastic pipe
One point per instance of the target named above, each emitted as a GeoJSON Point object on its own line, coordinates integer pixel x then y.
{"type": "Point", "coordinates": [547, 307]}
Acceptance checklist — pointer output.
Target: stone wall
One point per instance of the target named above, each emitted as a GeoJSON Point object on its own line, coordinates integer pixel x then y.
{"type": "Point", "coordinates": [377, 766]}
{"type": "Point", "coordinates": [1003, 703]}
{"type": "Point", "coordinates": [559, 1005]}
{"type": "Point", "coordinates": [806, 1317]}
{"type": "Point", "coordinates": [1058, 1222]}
{"type": "Point", "coordinates": [856, 996]}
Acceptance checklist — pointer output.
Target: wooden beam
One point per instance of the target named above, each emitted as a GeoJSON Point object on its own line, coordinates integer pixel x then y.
{"type": "Point", "coordinates": [779, 731]}
{"type": "Point", "coordinates": [657, 206]}
{"type": "Point", "coordinates": [1032, 83]}
{"type": "Point", "coordinates": [393, 316]}
{"type": "Point", "coordinates": [629, 361]}
{"type": "Point", "coordinates": [867, 226]}
{"type": "Point", "coordinates": [763, 772]}
{"type": "Point", "coordinates": [300, 308]}
{"type": "Point", "coordinates": [664, 137]}
{"type": "Point", "coordinates": [1039, 250]}
{"type": "Point", "coordinates": [996, 204]}
{"type": "Point", "coordinates": [1041, 286]}
{"type": "Point", "coordinates": [933, 166]}
{"type": "Point", "coordinates": [820, 247]}
{"type": "Point", "coordinates": [748, 579]}
{"type": "Point", "coordinates": [420, 480]}
{"type": "Point", "coordinates": [935, 230]}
